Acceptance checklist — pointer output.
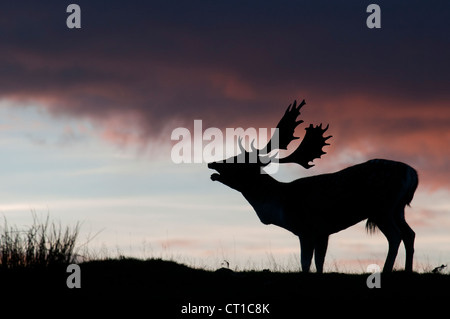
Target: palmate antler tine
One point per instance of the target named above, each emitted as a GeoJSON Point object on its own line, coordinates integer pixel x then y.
{"type": "Point", "coordinates": [285, 128]}
{"type": "Point", "coordinates": [310, 148]}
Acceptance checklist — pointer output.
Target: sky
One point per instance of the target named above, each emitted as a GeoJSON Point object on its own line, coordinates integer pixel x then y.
{"type": "Point", "coordinates": [86, 117]}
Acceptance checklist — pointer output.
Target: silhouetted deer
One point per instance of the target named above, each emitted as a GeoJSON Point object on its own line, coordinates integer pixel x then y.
{"type": "Point", "coordinates": [315, 207]}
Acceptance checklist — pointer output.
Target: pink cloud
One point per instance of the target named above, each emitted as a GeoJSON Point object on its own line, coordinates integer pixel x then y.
{"type": "Point", "coordinates": [137, 82]}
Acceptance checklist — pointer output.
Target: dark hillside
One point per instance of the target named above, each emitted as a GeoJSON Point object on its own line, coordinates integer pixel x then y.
{"type": "Point", "coordinates": [171, 286]}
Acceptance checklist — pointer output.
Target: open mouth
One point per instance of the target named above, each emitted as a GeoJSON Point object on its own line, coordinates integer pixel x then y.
{"type": "Point", "coordinates": [215, 176]}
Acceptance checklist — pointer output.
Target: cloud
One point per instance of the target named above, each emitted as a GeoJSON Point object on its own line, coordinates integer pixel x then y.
{"type": "Point", "coordinates": [138, 71]}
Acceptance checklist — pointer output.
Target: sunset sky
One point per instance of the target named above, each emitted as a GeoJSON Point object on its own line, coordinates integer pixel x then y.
{"type": "Point", "coordinates": [86, 117]}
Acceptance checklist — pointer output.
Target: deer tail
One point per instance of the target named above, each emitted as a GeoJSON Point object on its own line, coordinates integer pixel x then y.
{"type": "Point", "coordinates": [411, 182]}
{"type": "Point", "coordinates": [371, 226]}
{"type": "Point", "coordinates": [409, 186]}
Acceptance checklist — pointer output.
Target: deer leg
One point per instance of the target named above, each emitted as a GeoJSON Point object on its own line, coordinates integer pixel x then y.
{"type": "Point", "coordinates": [320, 250]}
{"type": "Point", "coordinates": [408, 236]}
{"type": "Point", "coordinates": [393, 235]}
{"type": "Point", "coordinates": [307, 249]}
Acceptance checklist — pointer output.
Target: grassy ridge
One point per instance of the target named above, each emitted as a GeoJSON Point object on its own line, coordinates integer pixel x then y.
{"type": "Point", "coordinates": [160, 280]}
{"type": "Point", "coordinates": [42, 244]}
{"type": "Point", "coordinates": [33, 266]}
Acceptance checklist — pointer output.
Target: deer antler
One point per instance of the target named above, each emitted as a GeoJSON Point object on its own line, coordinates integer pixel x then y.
{"type": "Point", "coordinates": [285, 128]}
{"type": "Point", "coordinates": [310, 148]}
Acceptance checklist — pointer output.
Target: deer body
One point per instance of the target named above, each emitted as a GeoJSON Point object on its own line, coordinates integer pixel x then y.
{"type": "Point", "coordinates": [315, 207]}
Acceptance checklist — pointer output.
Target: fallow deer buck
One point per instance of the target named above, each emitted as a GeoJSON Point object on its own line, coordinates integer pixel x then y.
{"type": "Point", "coordinates": [315, 207]}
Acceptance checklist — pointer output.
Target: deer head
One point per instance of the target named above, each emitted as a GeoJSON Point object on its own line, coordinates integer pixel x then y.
{"type": "Point", "coordinates": [240, 171]}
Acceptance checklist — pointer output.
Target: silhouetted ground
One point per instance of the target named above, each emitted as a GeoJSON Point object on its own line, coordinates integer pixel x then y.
{"type": "Point", "coordinates": [170, 286]}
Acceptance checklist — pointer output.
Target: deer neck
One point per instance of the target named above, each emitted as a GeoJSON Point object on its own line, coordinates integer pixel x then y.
{"type": "Point", "coordinates": [266, 201]}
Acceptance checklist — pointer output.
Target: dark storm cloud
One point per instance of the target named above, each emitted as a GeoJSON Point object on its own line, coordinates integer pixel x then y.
{"type": "Point", "coordinates": [144, 64]}
{"type": "Point", "coordinates": [194, 59]}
